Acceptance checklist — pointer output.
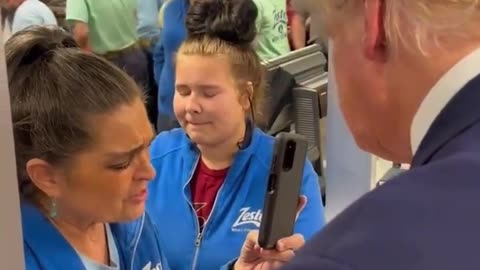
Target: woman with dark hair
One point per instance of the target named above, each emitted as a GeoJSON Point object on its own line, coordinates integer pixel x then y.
{"type": "Point", "coordinates": [212, 173]}
{"type": "Point", "coordinates": [81, 138]}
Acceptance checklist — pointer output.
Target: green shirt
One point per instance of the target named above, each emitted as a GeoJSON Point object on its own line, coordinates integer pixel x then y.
{"type": "Point", "coordinates": [112, 23]}
{"type": "Point", "coordinates": [272, 29]}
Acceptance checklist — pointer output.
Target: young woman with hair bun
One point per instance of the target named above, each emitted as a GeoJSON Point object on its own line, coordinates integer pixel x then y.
{"type": "Point", "coordinates": [212, 172]}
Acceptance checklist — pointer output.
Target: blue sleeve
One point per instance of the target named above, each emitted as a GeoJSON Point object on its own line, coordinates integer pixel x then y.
{"type": "Point", "coordinates": [158, 59]}
{"type": "Point", "coordinates": [155, 236]}
{"type": "Point", "coordinates": [147, 248]}
{"type": "Point", "coordinates": [312, 217]}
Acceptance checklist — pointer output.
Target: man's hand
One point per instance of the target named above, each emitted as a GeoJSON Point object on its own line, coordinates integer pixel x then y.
{"type": "Point", "coordinates": [253, 257]}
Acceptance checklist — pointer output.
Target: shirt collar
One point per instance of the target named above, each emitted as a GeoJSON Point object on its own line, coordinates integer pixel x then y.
{"type": "Point", "coordinates": [440, 94]}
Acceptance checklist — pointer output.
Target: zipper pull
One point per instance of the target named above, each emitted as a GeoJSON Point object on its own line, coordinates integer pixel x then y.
{"type": "Point", "coordinates": [198, 239]}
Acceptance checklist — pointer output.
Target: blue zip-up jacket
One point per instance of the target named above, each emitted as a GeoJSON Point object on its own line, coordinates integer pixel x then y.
{"type": "Point", "coordinates": [172, 35]}
{"type": "Point", "coordinates": [46, 249]}
{"type": "Point", "coordinates": [236, 211]}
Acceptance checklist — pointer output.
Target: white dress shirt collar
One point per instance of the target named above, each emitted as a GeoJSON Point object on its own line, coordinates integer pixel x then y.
{"type": "Point", "coordinates": [441, 93]}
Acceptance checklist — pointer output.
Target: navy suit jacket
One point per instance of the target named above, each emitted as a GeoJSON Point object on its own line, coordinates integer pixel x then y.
{"type": "Point", "coordinates": [425, 219]}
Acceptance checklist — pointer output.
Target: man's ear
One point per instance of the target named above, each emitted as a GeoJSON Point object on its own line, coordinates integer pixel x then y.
{"type": "Point", "coordinates": [43, 176]}
{"type": "Point", "coordinates": [374, 43]}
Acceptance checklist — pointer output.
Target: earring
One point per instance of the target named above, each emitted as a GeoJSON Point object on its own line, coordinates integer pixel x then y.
{"type": "Point", "coordinates": [53, 209]}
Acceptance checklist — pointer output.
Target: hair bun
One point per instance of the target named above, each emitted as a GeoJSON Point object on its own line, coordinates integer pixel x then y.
{"type": "Point", "coordinates": [36, 43]}
{"type": "Point", "coordinates": [229, 20]}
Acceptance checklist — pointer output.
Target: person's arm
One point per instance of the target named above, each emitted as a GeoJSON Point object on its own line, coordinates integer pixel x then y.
{"type": "Point", "coordinates": [80, 34]}
{"type": "Point", "coordinates": [77, 15]}
{"type": "Point", "coordinates": [301, 10]}
{"type": "Point", "coordinates": [298, 31]}
{"type": "Point", "coordinates": [312, 218]}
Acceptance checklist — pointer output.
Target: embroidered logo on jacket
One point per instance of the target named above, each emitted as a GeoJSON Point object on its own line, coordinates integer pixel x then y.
{"type": "Point", "coordinates": [148, 266]}
{"type": "Point", "coordinates": [247, 217]}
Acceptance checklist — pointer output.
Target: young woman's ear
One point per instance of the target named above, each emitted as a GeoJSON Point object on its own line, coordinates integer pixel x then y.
{"type": "Point", "coordinates": [247, 97]}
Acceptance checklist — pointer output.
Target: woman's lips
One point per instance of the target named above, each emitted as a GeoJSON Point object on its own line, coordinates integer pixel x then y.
{"type": "Point", "coordinates": [140, 197]}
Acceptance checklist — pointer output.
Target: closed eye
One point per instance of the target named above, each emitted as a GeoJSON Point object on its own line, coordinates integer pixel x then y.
{"type": "Point", "coordinates": [121, 166]}
{"type": "Point", "coordinates": [209, 91]}
{"type": "Point", "coordinates": [209, 94]}
{"type": "Point", "coordinates": [183, 90]}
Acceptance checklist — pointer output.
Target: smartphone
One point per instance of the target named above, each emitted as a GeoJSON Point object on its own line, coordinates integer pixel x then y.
{"type": "Point", "coordinates": [283, 189]}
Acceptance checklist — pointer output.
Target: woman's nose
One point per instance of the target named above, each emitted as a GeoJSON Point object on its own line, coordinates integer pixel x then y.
{"type": "Point", "coordinates": [193, 105]}
{"type": "Point", "coordinates": [146, 170]}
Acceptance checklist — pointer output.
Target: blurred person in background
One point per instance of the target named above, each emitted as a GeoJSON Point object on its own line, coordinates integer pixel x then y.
{"type": "Point", "coordinates": [171, 36]}
{"type": "Point", "coordinates": [272, 29]}
{"type": "Point", "coordinates": [58, 9]}
{"type": "Point", "coordinates": [109, 29]}
{"type": "Point", "coordinates": [147, 15]}
{"type": "Point", "coordinates": [20, 14]}
{"type": "Point", "coordinates": [408, 80]}
{"type": "Point", "coordinates": [160, 13]}
{"type": "Point", "coordinates": [148, 33]}
{"type": "Point", "coordinates": [306, 23]}
{"type": "Point", "coordinates": [297, 31]}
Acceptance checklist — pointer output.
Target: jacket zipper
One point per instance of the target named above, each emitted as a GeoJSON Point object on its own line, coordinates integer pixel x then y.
{"type": "Point", "coordinates": [199, 235]}
{"type": "Point", "coordinates": [198, 239]}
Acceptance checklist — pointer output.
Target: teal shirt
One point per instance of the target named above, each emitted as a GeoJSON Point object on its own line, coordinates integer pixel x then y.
{"type": "Point", "coordinates": [272, 37]}
{"type": "Point", "coordinates": [112, 24]}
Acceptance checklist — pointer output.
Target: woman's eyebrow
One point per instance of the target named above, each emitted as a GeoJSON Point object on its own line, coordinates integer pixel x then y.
{"type": "Point", "coordinates": [125, 153]}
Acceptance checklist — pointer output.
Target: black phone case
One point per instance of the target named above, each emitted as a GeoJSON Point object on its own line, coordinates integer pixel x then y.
{"type": "Point", "coordinates": [283, 190]}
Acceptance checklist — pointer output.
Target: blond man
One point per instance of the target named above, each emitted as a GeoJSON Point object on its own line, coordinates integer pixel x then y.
{"type": "Point", "coordinates": [407, 73]}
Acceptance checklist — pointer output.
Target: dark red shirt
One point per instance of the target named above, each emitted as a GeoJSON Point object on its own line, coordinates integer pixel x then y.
{"type": "Point", "coordinates": [204, 186]}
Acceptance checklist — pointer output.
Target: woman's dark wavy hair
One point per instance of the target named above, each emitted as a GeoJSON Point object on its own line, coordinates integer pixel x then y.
{"type": "Point", "coordinates": [55, 89]}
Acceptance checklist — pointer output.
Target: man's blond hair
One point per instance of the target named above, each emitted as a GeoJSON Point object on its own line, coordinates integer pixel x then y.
{"type": "Point", "coordinates": [413, 23]}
